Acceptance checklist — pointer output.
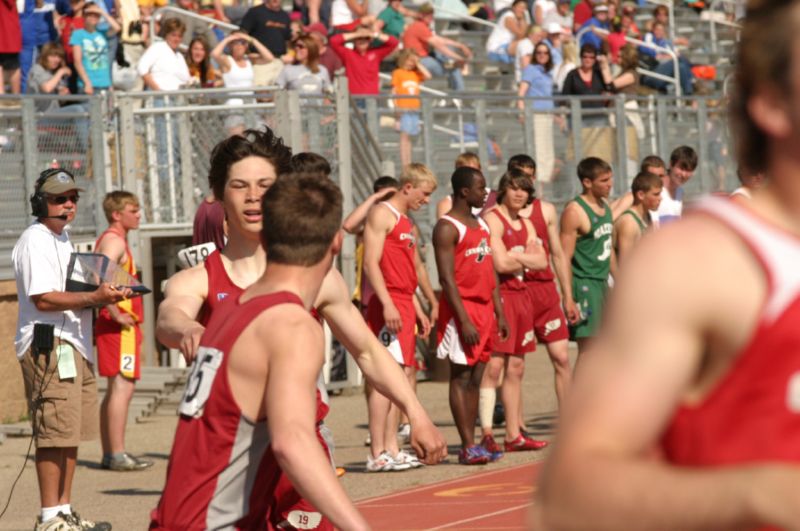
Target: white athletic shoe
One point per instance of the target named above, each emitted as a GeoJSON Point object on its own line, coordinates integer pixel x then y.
{"type": "Point", "coordinates": [385, 463]}
{"type": "Point", "coordinates": [408, 458]}
{"type": "Point", "coordinates": [404, 433]}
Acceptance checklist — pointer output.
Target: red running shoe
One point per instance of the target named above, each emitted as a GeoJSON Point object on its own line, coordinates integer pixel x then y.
{"type": "Point", "coordinates": [524, 444]}
{"type": "Point", "coordinates": [491, 446]}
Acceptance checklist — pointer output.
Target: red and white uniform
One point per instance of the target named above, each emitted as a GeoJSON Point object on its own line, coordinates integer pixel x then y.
{"type": "Point", "coordinates": [222, 472]}
{"type": "Point", "coordinates": [400, 277]}
{"type": "Point", "coordinates": [549, 321]}
{"type": "Point", "coordinates": [517, 304]}
{"type": "Point", "coordinates": [119, 348]}
{"type": "Point", "coordinates": [220, 287]}
{"type": "Point", "coordinates": [475, 280]}
{"type": "Point", "coordinates": [753, 413]}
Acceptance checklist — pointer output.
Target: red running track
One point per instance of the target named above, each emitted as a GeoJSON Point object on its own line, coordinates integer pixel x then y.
{"type": "Point", "coordinates": [497, 499]}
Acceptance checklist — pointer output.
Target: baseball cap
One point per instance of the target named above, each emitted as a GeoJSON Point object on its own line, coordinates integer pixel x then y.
{"type": "Point", "coordinates": [317, 27]}
{"type": "Point", "coordinates": [554, 27]}
{"type": "Point", "coordinates": [425, 9]}
{"type": "Point", "coordinates": [59, 182]}
{"type": "Point", "coordinates": [599, 8]}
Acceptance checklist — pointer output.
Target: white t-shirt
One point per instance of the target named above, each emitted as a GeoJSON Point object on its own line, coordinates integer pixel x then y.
{"type": "Point", "coordinates": [670, 208]}
{"type": "Point", "coordinates": [524, 48]}
{"type": "Point", "coordinates": [500, 35]}
{"type": "Point", "coordinates": [564, 21]}
{"type": "Point", "coordinates": [167, 67]}
{"type": "Point", "coordinates": [548, 7]}
{"type": "Point", "coordinates": [340, 13]}
{"type": "Point", "coordinates": [40, 259]}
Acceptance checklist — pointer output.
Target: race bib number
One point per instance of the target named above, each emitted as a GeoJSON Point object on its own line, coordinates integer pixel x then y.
{"type": "Point", "coordinates": [197, 254]}
{"type": "Point", "coordinates": [127, 365]}
{"type": "Point", "coordinates": [198, 387]}
{"type": "Point", "coordinates": [392, 344]}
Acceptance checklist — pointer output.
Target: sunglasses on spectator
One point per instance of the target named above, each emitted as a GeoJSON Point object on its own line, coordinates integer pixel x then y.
{"type": "Point", "coordinates": [588, 56]}
{"type": "Point", "coordinates": [542, 52]}
{"type": "Point", "coordinates": [61, 199]}
{"type": "Point", "coordinates": [299, 46]}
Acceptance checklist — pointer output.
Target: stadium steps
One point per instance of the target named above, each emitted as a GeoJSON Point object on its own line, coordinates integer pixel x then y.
{"type": "Point", "coordinates": [158, 387]}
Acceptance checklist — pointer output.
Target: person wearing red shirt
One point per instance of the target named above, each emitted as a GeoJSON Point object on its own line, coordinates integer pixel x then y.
{"type": "Point", "coordinates": [10, 45]}
{"type": "Point", "coordinates": [582, 13]}
{"type": "Point", "coordinates": [362, 63]}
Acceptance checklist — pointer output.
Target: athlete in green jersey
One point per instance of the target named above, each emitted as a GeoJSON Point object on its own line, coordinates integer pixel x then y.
{"type": "Point", "coordinates": [632, 224]}
{"type": "Point", "coordinates": [586, 237]}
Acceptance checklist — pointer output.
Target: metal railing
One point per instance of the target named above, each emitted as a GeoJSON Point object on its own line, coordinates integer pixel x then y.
{"type": "Point", "coordinates": [675, 79]}
{"type": "Point", "coordinates": [714, 21]}
{"type": "Point", "coordinates": [462, 16]}
{"type": "Point", "coordinates": [188, 14]}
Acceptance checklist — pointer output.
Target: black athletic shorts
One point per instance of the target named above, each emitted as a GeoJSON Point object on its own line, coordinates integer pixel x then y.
{"type": "Point", "coordinates": [9, 61]}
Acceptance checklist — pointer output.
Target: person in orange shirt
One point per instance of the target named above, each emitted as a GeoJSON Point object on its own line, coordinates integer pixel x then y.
{"type": "Point", "coordinates": [406, 81]}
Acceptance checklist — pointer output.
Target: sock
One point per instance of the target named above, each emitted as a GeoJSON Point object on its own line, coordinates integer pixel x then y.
{"type": "Point", "coordinates": [486, 401]}
{"type": "Point", "coordinates": [66, 508]}
{"type": "Point", "coordinates": [117, 457]}
{"type": "Point", "coordinates": [48, 513]}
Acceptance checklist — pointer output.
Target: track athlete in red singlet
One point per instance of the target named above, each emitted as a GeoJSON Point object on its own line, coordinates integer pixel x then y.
{"type": "Point", "coordinates": [470, 312]}
{"type": "Point", "coordinates": [701, 350]}
{"type": "Point", "coordinates": [242, 168]}
{"type": "Point", "coordinates": [390, 262]}
{"type": "Point", "coordinates": [636, 220]}
{"type": "Point", "coordinates": [119, 336]}
{"type": "Point", "coordinates": [235, 436]}
{"type": "Point", "coordinates": [515, 250]}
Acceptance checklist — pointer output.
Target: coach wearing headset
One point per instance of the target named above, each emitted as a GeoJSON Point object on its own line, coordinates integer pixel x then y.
{"type": "Point", "coordinates": [54, 346]}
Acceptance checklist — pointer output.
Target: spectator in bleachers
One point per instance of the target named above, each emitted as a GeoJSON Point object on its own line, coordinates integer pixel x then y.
{"type": "Point", "coordinates": [561, 16]}
{"type": "Point", "coordinates": [269, 24]}
{"type": "Point", "coordinates": [537, 82]}
{"type": "Point", "coordinates": [581, 14]}
{"type": "Point", "coordinates": [90, 50]}
{"type": "Point", "coordinates": [10, 46]}
{"type": "Point", "coordinates": [194, 27]}
{"type": "Point", "coordinates": [438, 54]}
{"type": "Point", "coordinates": [162, 66]}
{"type": "Point", "coordinates": [134, 36]}
{"type": "Point", "coordinates": [147, 8]}
{"type": "Point", "coordinates": [305, 75]}
{"type": "Point", "coordinates": [554, 41]}
{"type": "Point", "coordinates": [36, 22]}
{"type": "Point", "coordinates": [586, 80]}
{"type": "Point", "coordinates": [198, 60]}
{"type": "Point", "coordinates": [406, 81]}
{"type": "Point", "coordinates": [393, 18]}
{"type": "Point", "coordinates": [600, 21]}
{"type": "Point", "coordinates": [512, 27]}
{"type": "Point", "coordinates": [362, 63]}
{"type": "Point", "coordinates": [569, 52]}
{"type": "Point", "coordinates": [345, 13]}
{"type": "Point", "coordinates": [71, 19]}
{"type": "Point", "coordinates": [626, 82]}
{"type": "Point", "coordinates": [663, 62]}
{"type": "Point", "coordinates": [327, 57]}
{"type": "Point", "coordinates": [615, 39]}
{"type": "Point", "coordinates": [237, 72]}
{"type": "Point", "coordinates": [629, 21]}
{"type": "Point", "coordinates": [543, 10]}
{"type": "Point", "coordinates": [524, 52]}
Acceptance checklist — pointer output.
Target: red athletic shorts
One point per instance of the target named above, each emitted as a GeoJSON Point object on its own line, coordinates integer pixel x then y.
{"type": "Point", "coordinates": [401, 346]}
{"type": "Point", "coordinates": [119, 349]}
{"type": "Point", "coordinates": [549, 321]}
{"type": "Point", "coordinates": [448, 333]}
{"type": "Point", "coordinates": [518, 308]}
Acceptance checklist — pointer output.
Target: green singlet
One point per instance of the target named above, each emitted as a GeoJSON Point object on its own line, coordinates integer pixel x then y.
{"type": "Point", "coordinates": [642, 224]}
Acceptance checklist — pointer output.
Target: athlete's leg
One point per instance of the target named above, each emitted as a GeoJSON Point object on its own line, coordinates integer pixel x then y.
{"type": "Point", "coordinates": [378, 415]}
{"type": "Point", "coordinates": [464, 385]}
{"type": "Point", "coordinates": [488, 392]}
{"type": "Point", "coordinates": [69, 459]}
{"type": "Point", "coordinates": [118, 398]}
{"type": "Point", "coordinates": [559, 356]}
{"type": "Point", "coordinates": [512, 394]}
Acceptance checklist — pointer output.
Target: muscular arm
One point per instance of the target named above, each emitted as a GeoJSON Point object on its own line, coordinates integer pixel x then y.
{"type": "Point", "coordinates": [379, 224]}
{"type": "Point", "coordinates": [621, 204]}
{"type": "Point", "coordinates": [354, 222]}
{"type": "Point", "coordinates": [560, 262]}
{"type": "Point", "coordinates": [293, 437]}
{"type": "Point", "coordinates": [503, 262]}
{"type": "Point", "coordinates": [653, 352]}
{"type": "Point", "coordinates": [378, 366]}
{"type": "Point", "coordinates": [59, 301]}
{"type": "Point", "coordinates": [177, 325]}
{"type": "Point", "coordinates": [568, 236]}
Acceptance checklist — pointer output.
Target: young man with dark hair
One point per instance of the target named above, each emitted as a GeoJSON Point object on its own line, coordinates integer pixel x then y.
{"type": "Point", "coordinates": [515, 251]}
{"type": "Point", "coordinates": [750, 182]}
{"type": "Point", "coordinates": [634, 221]}
{"type": "Point", "coordinates": [682, 165]}
{"type": "Point", "coordinates": [118, 335]}
{"type": "Point", "coordinates": [469, 159]}
{"type": "Point", "coordinates": [391, 263]}
{"type": "Point", "coordinates": [468, 323]}
{"type": "Point", "coordinates": [586, 232]}
{"type": "Point", "coordinates": [308, 162]}
{"type": "Point", "coordinates": [242, 169]}
{"type": "Point", "coordinates": [234, 421]}
{"type": "Point", "coordinates": [700, 358]}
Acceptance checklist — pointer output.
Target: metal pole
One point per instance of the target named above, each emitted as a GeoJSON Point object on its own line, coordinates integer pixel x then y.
{"type": "Point", "coordinates": [480, 123]}
{"type": "Point", "coordinates": [621, 182]}
{"type": "Point", "coordinates": [96, 123]}
{"type": "Point", "coordinates": [661, 125]}
{"type": "Point", "coordinates": [30, 141]}
{"type": "Point", "coordinates": [145, 244]}
{"type": "Point", "coordinates": [527, 129]}
{"type": "Point", "coordinates": [577, 127]}
{"type": "Point", "coordinates": [185, 136]}
{"type": "Point", "coordinates": [295, 122]}
{"type": "Point", "coordinates": [427, 130]}
{"type": "Point", "coordinates": [702, 147]}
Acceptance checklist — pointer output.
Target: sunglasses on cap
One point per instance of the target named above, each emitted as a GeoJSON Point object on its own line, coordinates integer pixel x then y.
{"type": "Point", "coordinates": [61, 199]}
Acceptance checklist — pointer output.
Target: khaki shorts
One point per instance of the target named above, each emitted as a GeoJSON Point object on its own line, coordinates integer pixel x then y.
{"type": "Point", "coordinates": [66, 413]}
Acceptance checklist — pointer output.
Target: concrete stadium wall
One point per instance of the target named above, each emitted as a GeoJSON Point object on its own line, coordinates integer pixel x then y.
{"type": "Point", "coordinates": [12, 392]}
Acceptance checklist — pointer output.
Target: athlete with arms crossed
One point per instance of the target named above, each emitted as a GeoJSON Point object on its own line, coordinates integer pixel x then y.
{"type": "Point", "coordinates": [470, 311]}
{"type": "Point", "coordinates": [236, 434]}
{"type": "Point", "coordinates": [706, 366]}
